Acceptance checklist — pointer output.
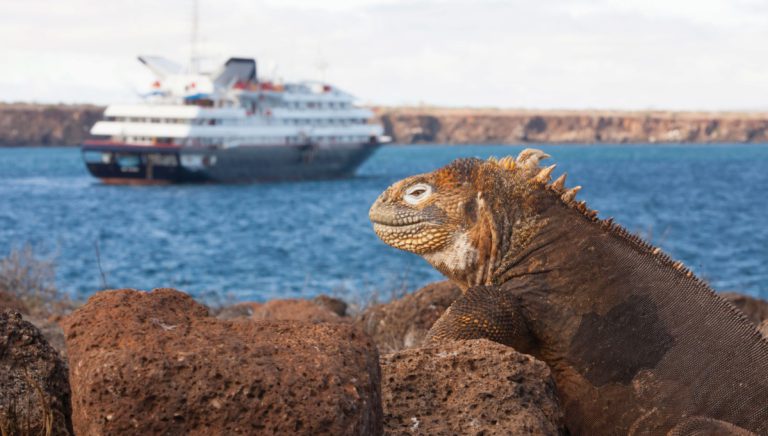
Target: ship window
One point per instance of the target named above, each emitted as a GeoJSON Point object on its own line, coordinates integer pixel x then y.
{"type": "Point", "coordinates": [97, 157]}
{"type": "Point", "coordinates": [168, 160]}
{"type": "Point", "coordinates": [128, 162]}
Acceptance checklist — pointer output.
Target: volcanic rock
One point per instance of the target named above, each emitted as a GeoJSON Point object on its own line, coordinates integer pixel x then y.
{"type": "Point", "coordinates": [52, 332]}
{"type": "Point", "coordinates": [468, 387]}
{"type": "Point", "coordinates": [335, 305]}
{"type": "Point", "coordinates": [755, 308]}
{"type": "Point", "coordinates": [404, 323]}
{"type": "Point", "coordinates": [293, 309]}
{"type": "Point", "coordinates": [34, 390]}
{"type": "Point", "coordinates": [47, 324]}
{"type": "Point", "coordinates": [157, 363]}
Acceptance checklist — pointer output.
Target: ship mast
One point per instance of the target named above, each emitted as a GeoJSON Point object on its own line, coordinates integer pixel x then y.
{"type": "Point", "coordinates": [193, 57]}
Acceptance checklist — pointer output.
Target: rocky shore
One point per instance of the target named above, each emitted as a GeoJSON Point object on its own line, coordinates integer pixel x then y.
{"type": "Point", "coordinates": [24, 124]}
{"type": "Point", "coordinates": [159, 362]}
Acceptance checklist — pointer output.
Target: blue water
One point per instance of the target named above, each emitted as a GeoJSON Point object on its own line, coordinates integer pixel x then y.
{"type": "Point", "coordinates": [705, 205]}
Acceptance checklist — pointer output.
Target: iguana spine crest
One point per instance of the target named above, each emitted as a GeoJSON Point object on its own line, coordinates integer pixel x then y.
{"type": "Point", "coordinates": [529, 160]}
{"type": "Point", "coordinates": [568, 198]}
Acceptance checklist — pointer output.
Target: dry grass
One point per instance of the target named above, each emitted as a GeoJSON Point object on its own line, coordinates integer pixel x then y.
{"type": "Point", "coordinates": [394, 288]}
{"type": "Point", "coordinates": [32, 280]}
{"type": "Point", "coordinates": [216, 301]}
{"type": "Point", "coordinates": [12, 423]}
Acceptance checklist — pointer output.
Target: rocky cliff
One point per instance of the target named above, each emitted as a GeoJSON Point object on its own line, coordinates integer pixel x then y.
{"type": "Point", "coordinates": [47, 125]}
{"type": "Point", "coordinates": [499, 126]}
{"type": "Point", "coordinates": [32, 124]}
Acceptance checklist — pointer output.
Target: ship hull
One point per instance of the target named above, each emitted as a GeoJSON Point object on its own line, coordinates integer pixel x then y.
{"type": "Point", "coordinates": [126, 164]}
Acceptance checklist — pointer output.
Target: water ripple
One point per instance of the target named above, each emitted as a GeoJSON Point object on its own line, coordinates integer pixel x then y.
{"type": "Point", "coordinates": [703, 204]}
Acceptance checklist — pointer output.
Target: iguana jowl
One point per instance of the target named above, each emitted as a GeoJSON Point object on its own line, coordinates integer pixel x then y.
{"type": "Point", "coordinates": [637, 344]}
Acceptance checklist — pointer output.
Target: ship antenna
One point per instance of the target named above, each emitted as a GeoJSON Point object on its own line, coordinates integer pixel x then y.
{"type": "Point", "coordinates": [193, 38]}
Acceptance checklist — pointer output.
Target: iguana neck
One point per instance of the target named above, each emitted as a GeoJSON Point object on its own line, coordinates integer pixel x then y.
{"type": "Point", "coordinates": [504, 230]}
{"type": "Point", "coordinates": [545, 241]}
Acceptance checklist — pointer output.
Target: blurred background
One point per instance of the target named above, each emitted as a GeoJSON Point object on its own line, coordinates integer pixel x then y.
{"type": "Point", "coordinates": [658, 108]}
{"type": "Point", "coordinates": [606, 54]}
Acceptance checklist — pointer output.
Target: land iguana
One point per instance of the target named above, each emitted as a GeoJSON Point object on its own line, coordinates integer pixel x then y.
{"type": "Point", "coordinates": [636, 342]}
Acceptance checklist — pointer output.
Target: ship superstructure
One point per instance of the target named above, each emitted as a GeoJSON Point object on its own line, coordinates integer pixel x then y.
{"type": "Point", "coordinates": [230, 126]}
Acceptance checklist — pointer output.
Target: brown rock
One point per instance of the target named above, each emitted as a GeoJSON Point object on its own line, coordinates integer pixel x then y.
{"type": "Point", "coordinates": [48, 325]}
{"type": "Point", "coordinates": [9, 301]}
{"type": "Point", "coordinates": [156, 363]}
{"type": "Point", "coordinates": [294, 309]}
{"type": "Point", "coordinates": [335, 305]}
{"type": "Point", "coordinates": [755, 308]}
{"type": "Point", "coordinates": [235, 311]}
{"type": "Point", "coordinates": [34, 389]}
{"type": "Point", "coordinates": [52, 331]}
{"type": "Point", "coordinates": [404, 323]}
{"type": "Point", "coordinates": [468, 387]}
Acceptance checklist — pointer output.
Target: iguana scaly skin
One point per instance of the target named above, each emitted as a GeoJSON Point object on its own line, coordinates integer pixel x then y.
{"type": "Point", "coordinates": [637, 344]}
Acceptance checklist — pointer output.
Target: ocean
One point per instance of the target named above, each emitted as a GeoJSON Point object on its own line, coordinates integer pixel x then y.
{"type": "Point", "coordinates": [703, 204]}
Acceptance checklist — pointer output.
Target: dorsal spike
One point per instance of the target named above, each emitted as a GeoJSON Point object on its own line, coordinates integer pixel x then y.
{"type": "Point", "coordinates": [544, 175]}
{"type": "Point", "coordinates": [570, 194]}
{"type": "Point", "coordinates": [530, 157]}
{"type": "Point", "coordinates": [507, 163]}
{"type": "Point", "coordinates": [559, 184]}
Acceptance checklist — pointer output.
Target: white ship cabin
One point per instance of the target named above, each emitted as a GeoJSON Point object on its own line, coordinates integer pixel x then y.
{"type": "Point", "coordinates": [232, 107]}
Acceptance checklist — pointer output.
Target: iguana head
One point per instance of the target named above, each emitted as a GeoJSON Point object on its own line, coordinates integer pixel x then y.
{"type": "Point", "coordinates": [469, 216]}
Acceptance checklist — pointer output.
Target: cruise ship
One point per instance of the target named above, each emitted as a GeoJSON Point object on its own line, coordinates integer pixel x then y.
{"type": "Point", "coordinates": [230, 126]}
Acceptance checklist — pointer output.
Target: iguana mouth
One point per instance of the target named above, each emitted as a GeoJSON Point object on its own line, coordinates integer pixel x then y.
{"type": "Point", "coordinates": [398, 219]}
{"type": "Point", "coordinates": [402, 223]}
{"type": "Point", "coordinates": [382, 229]}
{"type": "Point", "coordinates": [417, 237]}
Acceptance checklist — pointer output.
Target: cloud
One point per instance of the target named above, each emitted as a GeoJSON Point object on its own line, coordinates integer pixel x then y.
{"type": "Point", "coordinates": [703, 54]}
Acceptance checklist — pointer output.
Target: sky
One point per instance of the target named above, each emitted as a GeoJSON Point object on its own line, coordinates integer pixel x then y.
{"type": "Point", "coordinates": [538, 54]}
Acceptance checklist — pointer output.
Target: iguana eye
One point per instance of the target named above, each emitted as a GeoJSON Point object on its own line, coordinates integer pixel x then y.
{"type": "Point", "coordinates": [417, 193]}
